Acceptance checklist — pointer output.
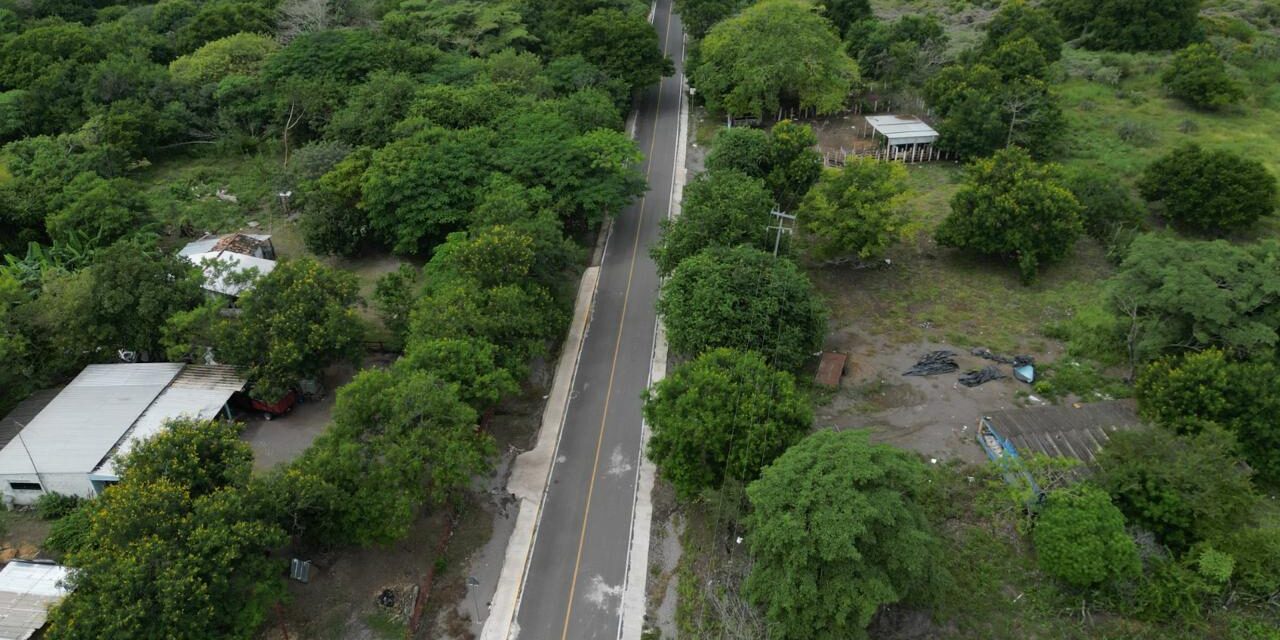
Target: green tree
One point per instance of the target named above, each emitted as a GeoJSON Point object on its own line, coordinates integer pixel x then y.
{"type": "Point", "coordinates": [1107, 208]}
{"type": "Point", "coordinates": [475, 28]}
{"type": "Point", "coordinates": [333, 220]}
{"type": "Point", "coordinates": [699, 16]}
{"type": "Point", "coordinates": [1210, 191]}
{"type": "Point", "coordinates": [720, 208]}
{"type": "Point", "coordinates": [420, 188]}
{"type": "Point", "coordinates": [983, 110]}
{"type": "Point", "coordinates": [1012, 206]}
{"type": "Point", "coordinates": [724, 414]}
{"type": "Point", "coordinates": [1198, 75]}
{"type": "Point", "coordinates": [740, 149]}
{"type": "Point", "coordinates": [747, 62]}
{"type": "Point", "coordinates": [844, 13]}
{"type": "Point", "coordinates": [835, 533]}
{"type": "Point", "coordinates": [905, 50]}
{"type": "Point", "coordinates": [154, 559]}
{"type": "Point", "coordinates": [1080, 538]}
{"type": "Point", "coordinates": [1129, 25]}
{"type": "Point", "coordinates": [470, 363]}
{"type": "Point", "coordinates": [293, 323]}
{"type": "Point", "coordinates": [222, 18]}
{"type": "Point", "coordinates": [1206, 387]}
{"type": "Point", "coordinates": [393, 296]}
{"type": "Point", "coordinates": [398, 439]}
{"type": "Point", "coordinates": [742, 298]}
{"type": "Point", "coordinates": [1184, 489]}
{"type": "Point", "coordinates": [622, 44]}
{"type": "Point", "coordinates": [1017, 20]}
{"type": "Point", "coordinates": [1176, 295]}
{"type": "Point", "coordinates": [857, 210]}
{"type": "Point", "coordinates": [793, 164]}
{"type": "Point", "coordinates": [238, 54]}
{"type": "Point", "coordinates": [133, 289]}
{"type": "Point", "coordinates": [373, 109]}
{"type": "Point", "coordinates": [103, 210]}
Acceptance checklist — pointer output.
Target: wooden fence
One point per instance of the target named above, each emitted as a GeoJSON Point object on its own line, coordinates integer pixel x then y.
{"type": "Point", "coordinates": [912, 154]}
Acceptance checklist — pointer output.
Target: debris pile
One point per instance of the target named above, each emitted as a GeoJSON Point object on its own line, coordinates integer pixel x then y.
{"type": "Point", "coordinates": [934, 363]}
{"type": "Point", "coordinates": [980, 376]}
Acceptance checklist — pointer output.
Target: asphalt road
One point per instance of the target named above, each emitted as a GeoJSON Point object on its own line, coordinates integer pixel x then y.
{"type": "Point", "coordinates": [575, 577]}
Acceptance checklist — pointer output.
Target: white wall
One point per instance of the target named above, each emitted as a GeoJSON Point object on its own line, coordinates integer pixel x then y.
{"type": "Point", "coordinates": [76, 484]}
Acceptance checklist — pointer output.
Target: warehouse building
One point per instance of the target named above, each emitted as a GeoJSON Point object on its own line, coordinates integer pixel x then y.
{"type": "Point", "coordinates": [69, 445]}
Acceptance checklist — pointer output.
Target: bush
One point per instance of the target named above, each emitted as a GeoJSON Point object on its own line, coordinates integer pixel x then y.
{"type": "Point", "coordinates": [53, 506]}
{"type": "Point", "coordinates": [1198, 75]}
{"type": "Point", "coordinates": [1080, 538]}
{"type": "Point", "coordinates": [745, 299]}
{"type": "Point", "coordinates": [1210, 191]}
{"type": "Point", "coordinates": [1106, 207]}
{"type": "Point", "coordinates": [1011, 206]}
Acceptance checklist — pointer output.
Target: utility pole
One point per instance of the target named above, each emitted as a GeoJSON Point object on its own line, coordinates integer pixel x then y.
{"type": "Point", "coordinates": [780, 226]}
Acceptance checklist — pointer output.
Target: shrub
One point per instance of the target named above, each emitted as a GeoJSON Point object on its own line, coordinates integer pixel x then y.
{"type": "Point", "coordinates": [1198, 75]}
{"type": "Point", "coordinates": [1210, 191]}
{"type": "Point", "coordinates": [53, 506]}
{"type": "Point", "coordinates": [1080, 538]}
{"type": "Point", "coordinates": [1106, 207]}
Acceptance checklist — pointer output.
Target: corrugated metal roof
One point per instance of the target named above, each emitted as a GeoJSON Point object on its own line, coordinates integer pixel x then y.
{"type": "Point", "coordinates": [199, 392]}
{"type": "Point", "coordinates": [899, 128]}
{"type": "Point", "coordinates": [27, 590]}
{"type": "Point", "coordinates": [107, 402]}
{"type": "Point", "coordinates": [24, 412]}
{"type": "Point", "coordinates": [237, 263]}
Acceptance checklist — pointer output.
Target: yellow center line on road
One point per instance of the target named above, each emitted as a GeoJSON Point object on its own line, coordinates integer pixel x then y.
{"type": "Point", "coordinates": [617, 345]}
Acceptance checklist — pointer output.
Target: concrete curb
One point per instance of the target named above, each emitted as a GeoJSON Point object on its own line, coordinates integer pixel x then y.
{"type": "Point", "coordinates": [532, 469]}
{"type": "Point", "coordinates": [634, 596]}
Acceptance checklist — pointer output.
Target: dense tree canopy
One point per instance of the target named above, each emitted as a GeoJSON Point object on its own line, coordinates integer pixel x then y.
{"type": "Point", "coordinates": [1129, 25]}
{"type": "Point", "coordinates": [856, 210]}
{"type": "Point", "coordinates": [1206, 388]}
{"type": "Point", "coordinates": [154, 560]}
{"type": "Point", "coordinates": [1080, 538]}
{"type": "Point", "coordinates": [1019, 19]}
{"type": "Point", "coordinates": [724, 414]}
{"type": "Point", "coordinates": [984, 110]}
{"type": "Point", "coordinates": [835, 533]}
{"type": "Point", "coordinates": [622, 44]}
{"type": "Point", "coordinates": [1179, 295]}
{"type": "Point", "coordinates": [699, 16]}
{"type": "Point", "coordinates": [1210, 190]}
{"type": "Point", "coordinates": [720, 208]}
{"type": "Point", "coordinates": [742, 298]}
{"type": "Point", "coordinates": [1012, 206]}
{"type": "Point", "coordinates": [906, 50]}
{"type": "Point", "coordinates": [1184, 489]}
{"type": "Point", "coordinates": [747, 62]}
{"type": "Point", "coordinates": [1107, 208]}
{"type": "Point", "coordinates": [783, 157]}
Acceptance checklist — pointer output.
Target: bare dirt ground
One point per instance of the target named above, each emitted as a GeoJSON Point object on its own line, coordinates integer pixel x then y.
{"type": "Point", "coordinates": [934, 416]}
{"type": "Point", "coordinates": [23, 537]}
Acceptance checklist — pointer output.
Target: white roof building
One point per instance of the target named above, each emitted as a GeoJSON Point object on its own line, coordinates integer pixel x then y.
{"type": "Point", "coordinates": [225, 258]}
{"type": "Point", "coordinates": [69, 445]}
{"type": "Point", "coordinates": [903, 130]}
{"type": "Point", "coordinates": [27, 590]}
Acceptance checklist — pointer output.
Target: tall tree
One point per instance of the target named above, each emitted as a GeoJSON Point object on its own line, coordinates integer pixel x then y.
{"type": "Point", "coordinates": [134, 289]}
{"type": "Point", "coordinates": [835, 533]}
{"type": "Point", "coordinates": [856, 210]}
{"type": "Point", "coordinates": [154, 560]}
{"type": "Point", "coordinates": [1182, 489]}
{"type": "Point", "coordinates": [1129, 25]}
{"type": "Point", "coordinates": [622, 44]}
{"type": "Point", "coordinates": [1210, 191]}
{"type": "Point", "coordinates": [747, 62]}
{"type": "Point", "coordinates": [724, 414]}
{"type": "Point", "coordinates": [1176, 295]}
{"type": "Point", "coordinates": [720, 208]}
{"type": "Point", "coordinates": [1019, 19]}
{"type": "Point", "coordinates": [742, 298]}
{"type": "Point", "coordinates": [983, 110]}
{"type": "Point", "coordinates": [1198, 75]}
{"type": "Point", "coordinates": [1012, 206]}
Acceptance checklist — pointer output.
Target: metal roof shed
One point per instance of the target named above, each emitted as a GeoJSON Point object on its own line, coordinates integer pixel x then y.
{"type": "Point", "coordinates": [27, 590]}
{"type": "Point", "coordinates": [67, 446]}
{"type": "Point", "coordinates": [903, 130]}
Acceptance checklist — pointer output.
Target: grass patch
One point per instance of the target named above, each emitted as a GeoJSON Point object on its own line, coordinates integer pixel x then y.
{"type": "Point", "coordinates": [385, 625]}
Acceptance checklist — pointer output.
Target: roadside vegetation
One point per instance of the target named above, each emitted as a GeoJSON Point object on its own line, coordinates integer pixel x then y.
{"type": "Point", "coordinates": [1115, 204]}
{"type": "Point", "coordinates": [430, 174]}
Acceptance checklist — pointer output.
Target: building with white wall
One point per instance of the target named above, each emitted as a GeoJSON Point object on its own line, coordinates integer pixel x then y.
{"type": "Point", "coordinates": [69, 446]}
